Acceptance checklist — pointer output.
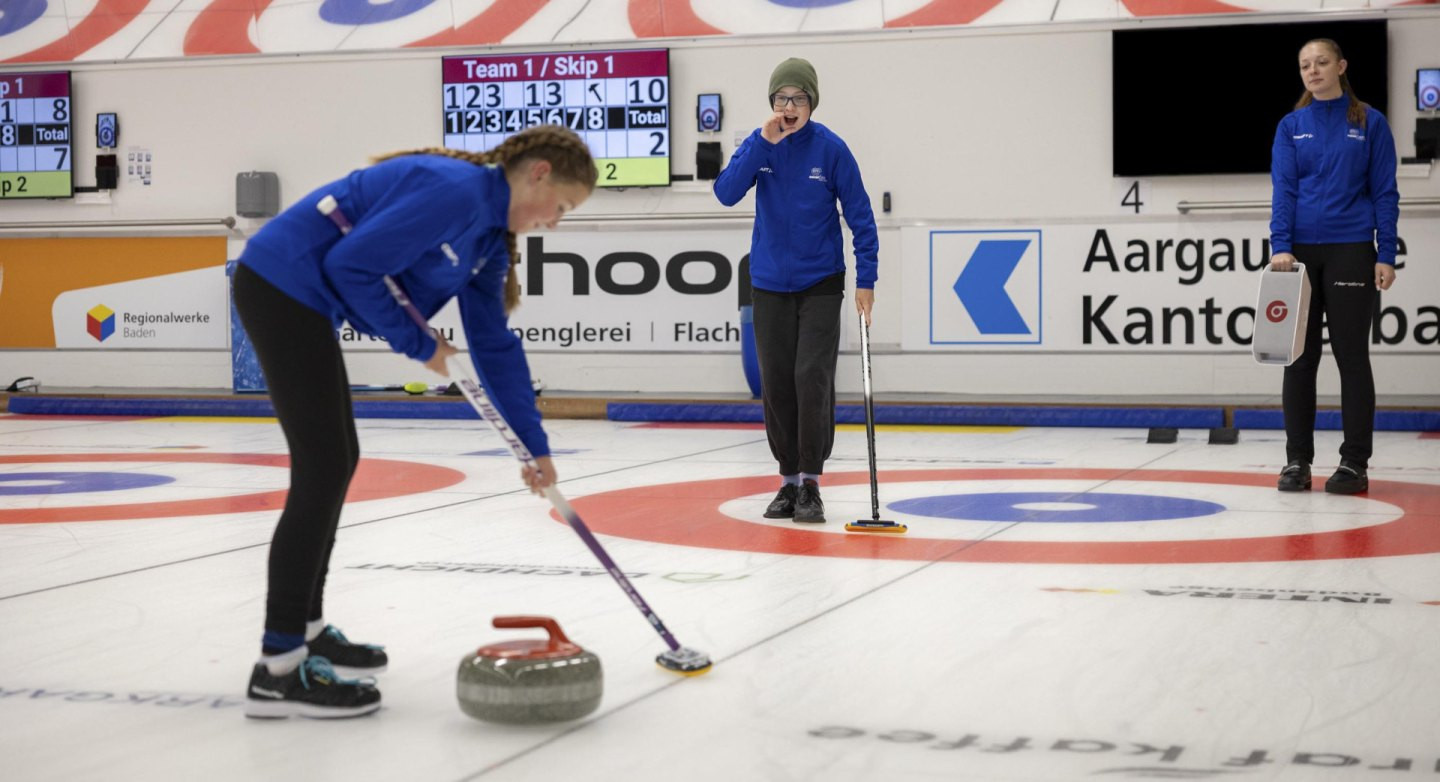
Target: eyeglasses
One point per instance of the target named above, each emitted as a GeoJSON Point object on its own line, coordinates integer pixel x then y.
{"type": "Point", "coordinates": [798, 101]}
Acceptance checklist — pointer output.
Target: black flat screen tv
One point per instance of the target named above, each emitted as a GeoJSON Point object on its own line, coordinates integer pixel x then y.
{"type": "Point", "coordinates": [1206, 100]}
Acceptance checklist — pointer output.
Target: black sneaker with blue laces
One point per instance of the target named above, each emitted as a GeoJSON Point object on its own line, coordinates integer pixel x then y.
{"type": "Point", "coordinates": [1349, 478]}
{"type": "Point", "coordinates": [313, 689]}
{"type": "Point", "coordinates": [348, 657]}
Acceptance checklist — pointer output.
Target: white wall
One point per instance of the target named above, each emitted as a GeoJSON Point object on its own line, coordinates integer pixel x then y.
{"type": "Point", "coordinates": [991, 126]}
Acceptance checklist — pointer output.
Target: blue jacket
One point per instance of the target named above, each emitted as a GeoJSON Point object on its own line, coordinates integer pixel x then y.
{"type": "Point", "coordinates": [437, 226]}
{"type": "Point", "coordinates": [797, 241]}
{"type": "Point", "coordinates": [1333, 182]}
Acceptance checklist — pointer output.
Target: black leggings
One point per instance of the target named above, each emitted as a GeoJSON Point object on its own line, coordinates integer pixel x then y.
{"type": "Point", "coordinates": [1342, 291]}
{"type": "Point", "coordinates": [797, 339]}
{"type": "Point", "coordinates": [305, 376]}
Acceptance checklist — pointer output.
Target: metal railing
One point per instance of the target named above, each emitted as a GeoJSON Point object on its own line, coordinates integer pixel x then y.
{"type": "Point", "coordinates": [1186, 207]}
{"type": "Point", "coordinates": [36, 225]}
{"type": "Point", "coordinates": [708, 217]}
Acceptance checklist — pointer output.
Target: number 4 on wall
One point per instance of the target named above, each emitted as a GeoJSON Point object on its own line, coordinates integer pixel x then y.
{"type": "Point", "coordinates": [1132, 195]}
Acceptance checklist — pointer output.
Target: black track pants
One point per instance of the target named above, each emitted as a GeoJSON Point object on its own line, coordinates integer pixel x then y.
{"type": "Point", "coordinates": [797, 340]}
{"type": "Point", "coordinates": [1342, 291]}
{"type": "Point", "coordinates": [305, 375]}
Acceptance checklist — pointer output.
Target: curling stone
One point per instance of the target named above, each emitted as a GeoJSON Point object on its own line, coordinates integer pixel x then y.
{"type": "Point", "coordinates": [537, 680]}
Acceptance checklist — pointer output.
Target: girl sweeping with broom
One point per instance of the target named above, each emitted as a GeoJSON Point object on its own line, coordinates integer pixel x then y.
{"type": "Point", "coordinates": [442, 223]}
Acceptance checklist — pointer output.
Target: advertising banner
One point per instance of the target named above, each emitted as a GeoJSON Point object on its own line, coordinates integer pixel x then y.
{"type": "Point", "coordinates": [1136, 287]}
{"type": "Point", "coordinates": [643, 291]}
{"type": "Point", "coordinates": [113, 293]}
{"type": "Point", "coordinates": [182, 310]}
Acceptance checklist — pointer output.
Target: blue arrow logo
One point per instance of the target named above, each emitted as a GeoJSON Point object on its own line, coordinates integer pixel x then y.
{"type": "Point", "coordinates": [981, 286]}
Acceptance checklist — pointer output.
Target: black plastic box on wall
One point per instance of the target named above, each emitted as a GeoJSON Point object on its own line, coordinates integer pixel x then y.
{"type": "Point", "coordinates": [107, 172]}
{"type": "Point", "coordinates": [1427, 138]}
{"type": "Point", "coordinates": [257, 194]}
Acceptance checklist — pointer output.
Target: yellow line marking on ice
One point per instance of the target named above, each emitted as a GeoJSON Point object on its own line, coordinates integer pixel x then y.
{"type": "Point", "coordinates": [939, 429]}
{"type": "Point", "coordinates": [217, 419]}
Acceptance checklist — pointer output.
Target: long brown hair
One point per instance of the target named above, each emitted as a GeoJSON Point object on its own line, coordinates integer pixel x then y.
{"type": "Point", "coordinates": [1356, 111]}
{"type": "Point", "coordinates": [570, 163]}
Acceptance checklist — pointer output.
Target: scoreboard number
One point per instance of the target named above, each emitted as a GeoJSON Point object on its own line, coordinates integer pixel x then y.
{"type": "Point", "coordinates": [35, 136]}
{"type": "Point", "coordinates": [617, 101]}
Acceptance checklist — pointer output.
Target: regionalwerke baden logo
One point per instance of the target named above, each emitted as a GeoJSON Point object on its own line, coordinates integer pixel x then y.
{"type": "Point", "coordinates": [100, 322]}
{"type": "Point", "coordinates": [985, 287]}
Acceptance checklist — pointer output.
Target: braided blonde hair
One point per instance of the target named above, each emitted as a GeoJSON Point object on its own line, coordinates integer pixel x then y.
{"type": "Point", "coordinates": [570, 163]}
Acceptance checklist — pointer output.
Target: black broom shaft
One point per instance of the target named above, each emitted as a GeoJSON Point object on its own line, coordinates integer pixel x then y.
{"type": "Point", "coordinates": [869, 417]}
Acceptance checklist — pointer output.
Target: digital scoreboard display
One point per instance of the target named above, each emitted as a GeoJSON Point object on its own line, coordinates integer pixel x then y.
{"type": "Point", "coordinates": [35, 136]}
{"type": "Point", "coordinates": [618, 101]}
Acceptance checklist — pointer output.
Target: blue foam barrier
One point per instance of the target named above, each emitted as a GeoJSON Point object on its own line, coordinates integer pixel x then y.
{"type": "Point", "coordinates": [939, 415]}
{"type": "Point", "coordinates": [66, 405]}
{"type": "Point", "coordinates": [235, 408]}
{"type": "Point", "coordinates": [1329, 420]}
{"type": "Point", "coordinates": [445, 410]}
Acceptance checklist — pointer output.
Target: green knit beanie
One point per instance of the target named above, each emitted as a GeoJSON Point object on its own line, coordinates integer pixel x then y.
{"type": "Point", "coordinates": [796, 72]}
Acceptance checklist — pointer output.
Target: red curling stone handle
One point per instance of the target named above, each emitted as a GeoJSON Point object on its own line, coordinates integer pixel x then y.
{"type": "Point", "coordinates": [512, 622]}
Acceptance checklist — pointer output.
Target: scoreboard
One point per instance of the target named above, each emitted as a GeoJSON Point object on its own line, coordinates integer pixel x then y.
{"type": "Point", "coordinates": [35, 136]}
{"type": "Point", "coordinates": [618, 101]}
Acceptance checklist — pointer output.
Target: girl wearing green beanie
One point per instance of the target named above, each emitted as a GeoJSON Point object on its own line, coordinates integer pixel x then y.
{"type": "Point", "coordinates": [800, 170]}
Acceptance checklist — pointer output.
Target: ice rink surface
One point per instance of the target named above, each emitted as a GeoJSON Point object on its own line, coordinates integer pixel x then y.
{"type": "Point", "coordinates": [1068, 604]}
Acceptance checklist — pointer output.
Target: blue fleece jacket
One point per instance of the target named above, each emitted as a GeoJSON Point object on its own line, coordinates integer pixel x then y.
{"type": "Point", "coordinates": [1334, 182]}
{"type": "Point", "coordinates": [437, 226]}
{"type": "Point", "coordinates": [797, 242]}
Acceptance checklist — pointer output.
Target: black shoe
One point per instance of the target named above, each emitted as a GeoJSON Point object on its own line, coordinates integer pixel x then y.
{"type": "Point", "coordinates": [348, 658]}
{"type": "Point", "coordinates": [1295, 477]}
{"type": "Point", "coordinates": [783, 506]}
{"type": "Point", "coordinates": [311, 690]}
{"type": "Point", "coordinates": [808, 507]}
{"type": "Point", "coordinates": [1350, 478]}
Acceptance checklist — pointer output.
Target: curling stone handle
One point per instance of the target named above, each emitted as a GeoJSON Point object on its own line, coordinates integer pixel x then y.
{"type": "Point", "coordinates": [550, 625]}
